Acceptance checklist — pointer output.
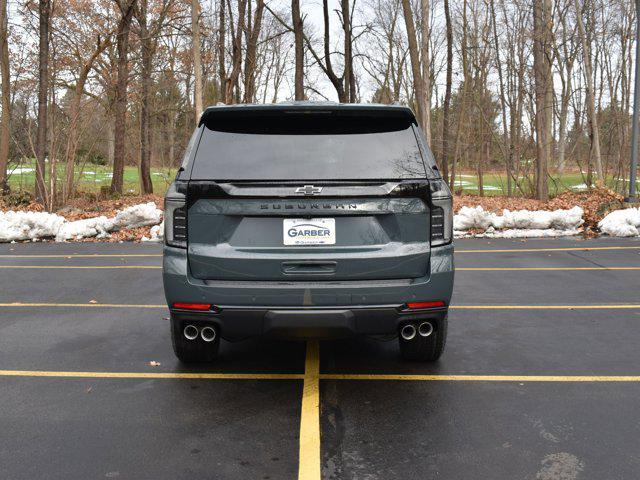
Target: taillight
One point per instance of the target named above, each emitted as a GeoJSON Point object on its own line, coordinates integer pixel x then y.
{"type": "Point", "coordinates": [421, 305]}
{"type": "Point", "coordinates": [441, 213]}
{"type": "Point", "coordinates": [175, 222]}
{"type": "Point", "coordinates": [192, 306]}
{"type": "Point", "coordinates": [437, 225]}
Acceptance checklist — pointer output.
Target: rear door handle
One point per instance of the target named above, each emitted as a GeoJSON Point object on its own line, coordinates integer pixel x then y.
{"type": "Point", "coordinates": [309, 268]}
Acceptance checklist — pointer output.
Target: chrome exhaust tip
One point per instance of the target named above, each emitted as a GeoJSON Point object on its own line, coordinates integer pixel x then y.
{"type": "Point", "coordinates": [408, 332]}
{"type": "Point", "coordinates": [208, 334]}
{"type": "Point", "coordinates": [190, 332]}
{"type": "Point", "coordinates": [425, 329]}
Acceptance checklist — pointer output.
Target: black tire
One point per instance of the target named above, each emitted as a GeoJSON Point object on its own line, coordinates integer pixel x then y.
{"type": "Point", "coordinates": [193, 351]}
{"type": "Point", "coordinates": [428, 349]}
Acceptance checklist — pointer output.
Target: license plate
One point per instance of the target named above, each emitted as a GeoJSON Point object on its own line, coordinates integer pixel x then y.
{"type": "Point", "coordinates": [309, 231]}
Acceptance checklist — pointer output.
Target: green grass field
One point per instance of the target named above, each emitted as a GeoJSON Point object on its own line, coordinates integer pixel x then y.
{"type": "Point", "coordinates": [91, 177]}
{"type": "Point", "coordinates": [496, 184]}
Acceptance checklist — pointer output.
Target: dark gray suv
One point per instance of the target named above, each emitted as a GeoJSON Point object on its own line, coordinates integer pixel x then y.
{"type": "Point", "coordinates": [308, 220]}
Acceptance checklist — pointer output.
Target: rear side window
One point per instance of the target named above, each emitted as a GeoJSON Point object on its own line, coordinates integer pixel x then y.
{"type": "Point", "coordinates": [308, 147]}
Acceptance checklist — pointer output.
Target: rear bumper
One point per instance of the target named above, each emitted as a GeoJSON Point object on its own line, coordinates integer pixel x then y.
{"type": "Point", "coordinates": [307, 309]}
{"type": "Point", "coordinates": [235, 323]}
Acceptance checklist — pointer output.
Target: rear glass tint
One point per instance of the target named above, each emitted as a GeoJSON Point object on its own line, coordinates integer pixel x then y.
{"type": "Point", "coordinates": [308, 147]}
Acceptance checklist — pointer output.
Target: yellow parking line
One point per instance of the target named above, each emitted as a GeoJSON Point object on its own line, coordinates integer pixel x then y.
{"type": "Point", "coordinates": [487, 378]}
{"type": "Point", "coordinates": [571, 249]}
{"type": "Point", "coordinates": [88, 267]}
{"type": "Point", "coordinates": [159, 375]}
{"type": "Point", "coordinates": [309, 459]}
{"type": "Point", "coordinates": [86, 255]}
{"type": "Point", "coordinates": [516, 269]}
{"type": "Point", "coordinates": [76, 305]}
{"type": "Point", "coordinates": [310, 421]}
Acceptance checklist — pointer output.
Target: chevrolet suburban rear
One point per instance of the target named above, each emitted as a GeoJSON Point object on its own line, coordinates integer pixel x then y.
{"type": "Point", "coordinates": [308, 220]}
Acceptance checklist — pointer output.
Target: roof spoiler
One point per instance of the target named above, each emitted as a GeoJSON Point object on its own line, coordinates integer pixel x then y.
{"type": "Point", "coordinates": [213, 115]}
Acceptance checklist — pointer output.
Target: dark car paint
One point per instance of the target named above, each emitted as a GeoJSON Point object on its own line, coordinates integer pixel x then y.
{"type": "Point", "coordinates": [259, 300]}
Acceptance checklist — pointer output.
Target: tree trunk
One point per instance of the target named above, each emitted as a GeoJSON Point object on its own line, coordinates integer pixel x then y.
{"type": "Point", "coordinates": [197, 58]}
{"type": "Point", "coordinates": [44, 12]}
{"type": "Point", "coordinates": [172, 137]}
{"type": "Point", "coordinates": [146, 186]}
{"type": "Point", "coordinates": [124, 28]}
{"type": "Point", "coordinates": [338, 83]}
{"type": "Point", "coordinates": [250, 57]}
{"type": "Point", "coordinates": [426, 70]}
{"type": "Point", "coordinates": [6, 97]}
{"type": "Point", "coordinates": [446, 121]}
{"type": "Point", "coordinates": [415, 62]}
{"type": "Point", "coordinates": [231, 82]}
{"type": "Point", "coordinates": [348, 74]}
{"type": "Point", "coordinates": [222, 36]}
{"type": "Point", "coordinates": [543, 92]}
{"type": "Point", "coordinates": [592, 118]}
{"type": "Point", "coordinates": [111, 137]}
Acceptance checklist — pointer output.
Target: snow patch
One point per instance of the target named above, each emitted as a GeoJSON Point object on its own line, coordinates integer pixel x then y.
{"type": "Point", "coordinates": [20, 170]}
{"type": "Point", "coordinates": [156, 234]}
{"type": "Point", "coordinates": [621, 223]}
{"type": "Point", "coordinates": [138, 216]}
{"type": "Point", "coordinates": [89, 227]}
{"type": "Point", "coordinates": [16, 226]}
{"type": "Point", "coordinates": [519, 233]}
{"type": "Point", "coordinates": [518, 224]}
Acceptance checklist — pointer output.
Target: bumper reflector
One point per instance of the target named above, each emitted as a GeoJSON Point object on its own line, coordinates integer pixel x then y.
{"type": "Point", "coordinates": [193, 306]}
{"type": "Point", "coordinates": [420, 305]}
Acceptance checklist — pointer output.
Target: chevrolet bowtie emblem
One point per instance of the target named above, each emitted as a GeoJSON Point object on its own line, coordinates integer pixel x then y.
{"type": "Point", "coordinates": [309, 190]}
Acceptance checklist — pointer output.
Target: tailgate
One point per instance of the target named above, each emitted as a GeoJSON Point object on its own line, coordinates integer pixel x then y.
{"type": "Point", "coordinates": [362, 239]}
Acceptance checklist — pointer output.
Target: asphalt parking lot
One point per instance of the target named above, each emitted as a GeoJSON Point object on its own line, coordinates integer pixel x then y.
{"type": "Point", "coordinates": [540, 379]}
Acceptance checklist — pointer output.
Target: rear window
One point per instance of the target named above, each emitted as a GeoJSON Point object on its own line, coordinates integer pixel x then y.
{"type": "Point", "coordinates": [308, 147]}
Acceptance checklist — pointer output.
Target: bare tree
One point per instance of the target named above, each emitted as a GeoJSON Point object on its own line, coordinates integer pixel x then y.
{"type": "Point", "coordinates": [222, 69]}
{"type": "Point", "coordinates": [149, 41]}
{"type": "Point", "coordinates": [230, 82]}
{"type": "Point", "coordinates": [146, 186]}
{"type": "Point", "coordinates": [126, 8]}
{"type": "Point", "coordinates": [565, 55]}
{"type": "Point", "coordinates": [418, 84]}
{"type": "Point", "coordinates": [592, 117]}
{"type": "Point", "coordinates": [44, 15]}
{"type": "Point", "coordinates": [446, 121]}
{"type": "Point", "coordinates": [426, 70]}
{"type": "Point", "coordinates": [252, 33]}
{"type": "Point", "coordinates": [197, 58]}
{"type": "Point", "coordinates": [6, 96]}
{"type": "Point", "coordinates": [298, 34]}
{"type": "Point", "coordinates": [542, 58]}
{"type": "Point", "coordinates": [78, 92]}
{"type": "Point", "coordinates": [503, 100]}
{"type": "Point", "coordinates": [348, 75]}
{"type": "Point", "coordinates": [386, 53]}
